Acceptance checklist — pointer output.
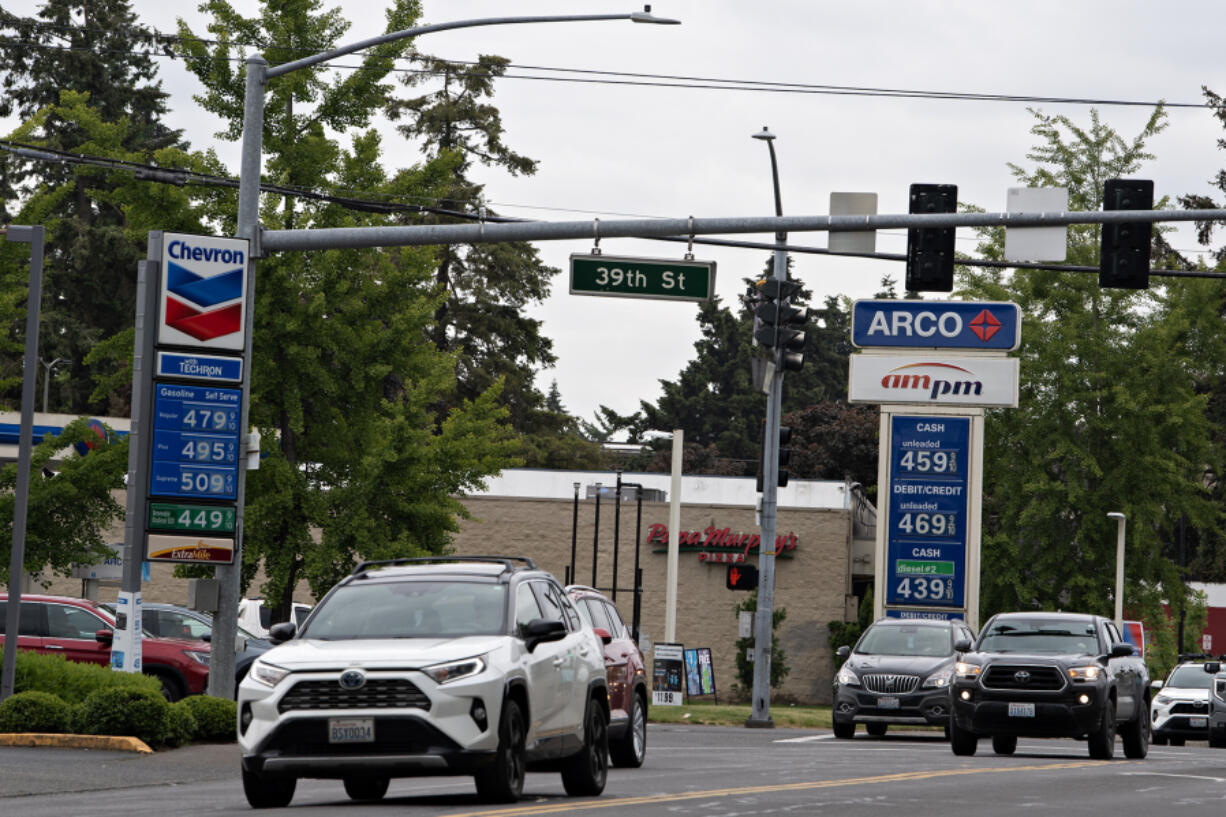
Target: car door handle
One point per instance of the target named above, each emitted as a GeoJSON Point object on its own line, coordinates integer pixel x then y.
{"type": "Point", "coordinates": [54, 646]}
{"type": "Point", "coordinates": [559, 660]}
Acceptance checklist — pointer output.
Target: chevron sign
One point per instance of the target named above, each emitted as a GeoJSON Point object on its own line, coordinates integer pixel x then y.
{"type": "Point", "coordinates": [202, 297]}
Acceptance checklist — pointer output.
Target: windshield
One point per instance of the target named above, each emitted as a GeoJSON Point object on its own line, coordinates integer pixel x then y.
{"type": "Point", "coordinates": [410, 609]}
{"type": "Point", "coordinates": [1191, 677]}
{"type": "Point", "coordinates": [908, 639]}
{"type": "Point", "coordinates": [1047, 635]}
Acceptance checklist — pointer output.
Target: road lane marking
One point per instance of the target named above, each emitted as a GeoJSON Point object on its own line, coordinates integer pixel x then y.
{"type": "Point", "coordinates": [808, 739]}
{"type": "Point", "coordinates": [622, 802]}
{"type": "Point", "coordinates": [1172, 774]}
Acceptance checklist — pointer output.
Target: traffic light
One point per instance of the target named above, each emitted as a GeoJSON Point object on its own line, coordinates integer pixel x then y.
{"type": "Point", "coordinates": [930, 252]}
{"type": "Point", "coordinates": [785, 456]}
{"type": "Point", "coordinates": [742, 577]}
{"type": "Point", "coordinates": [777, 321]}
{"type": "Point", "coordinates": [1124, 260]}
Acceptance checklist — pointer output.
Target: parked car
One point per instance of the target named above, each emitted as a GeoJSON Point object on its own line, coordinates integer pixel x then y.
{"type": "Point", "coordinates": [626, 672]}
{"type": "Point", "coordinates": [82, 630]}
{"type": "Point", "coordinates": [432, 666]}
{"type": "Point", "coordinates": [1180, 708]}
{"type": "Point", "coordinates": [1217, 710]}
{"type": "Point", "coordinates": [1050, 675]}
{"type": "Point", "coordinates": [255, 615]}
{"type": "Point", "coordinates": [898, 673]}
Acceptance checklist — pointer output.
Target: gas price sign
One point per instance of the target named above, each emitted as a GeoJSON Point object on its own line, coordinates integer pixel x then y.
{"type": "Point", "coordinates": [926, 559]}
{"type": "Point", "coordinates": [195, 441]}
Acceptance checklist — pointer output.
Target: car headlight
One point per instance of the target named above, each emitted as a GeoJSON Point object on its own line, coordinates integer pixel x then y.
{"type": "Point", "coordinates": [455, 670]}
{"type": "Point", "coordinates": [938, 679]}
{"type": "Point", "coordinates": [965, 670]}
{"type": "Point", "coordinates": [269, 674]}
{"type": "Point", "coordinates": [1090, 673]}
{"type": "Point", "coordinates": [199, 656]}
{"type": "Point", "coordinates": [1163, 699]}
{"type": "Point", "coordinates": [847, 678]}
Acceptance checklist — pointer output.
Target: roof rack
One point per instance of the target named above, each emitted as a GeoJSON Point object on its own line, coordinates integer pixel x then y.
{"type": "Point", "coordinates": [571, 587]}
{"type": "Point", "coordinates": [507, 562]}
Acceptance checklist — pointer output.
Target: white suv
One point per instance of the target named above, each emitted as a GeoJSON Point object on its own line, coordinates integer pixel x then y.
{"type": "Point", "coordinates": [439, 666]}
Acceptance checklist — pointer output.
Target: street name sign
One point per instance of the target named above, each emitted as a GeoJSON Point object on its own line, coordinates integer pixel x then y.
{"type": "Point", "coordinates": [973, 325]}
{"type": "Point", "coordinates": [658, 278]}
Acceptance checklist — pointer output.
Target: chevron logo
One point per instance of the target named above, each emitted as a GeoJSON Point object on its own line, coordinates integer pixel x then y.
{"type": "Point", "coordinates": [203, 292]}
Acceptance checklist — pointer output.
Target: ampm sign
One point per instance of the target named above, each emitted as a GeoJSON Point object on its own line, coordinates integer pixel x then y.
{"type": "Point", "coordinates": [203, 291]}
{"type": "Point", "coordinates": [985, 326]}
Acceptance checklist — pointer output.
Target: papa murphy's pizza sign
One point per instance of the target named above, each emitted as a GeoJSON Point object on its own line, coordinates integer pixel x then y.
{"type": "Point", "coordinates": [203, 292]}
{"type": "Point", "coordinates": [719, 545]}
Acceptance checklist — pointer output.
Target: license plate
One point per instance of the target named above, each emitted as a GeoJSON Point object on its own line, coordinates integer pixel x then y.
{"type": "Point", "coordinates": [351, 730]}
{"type": "Point", "coordinates": [1198, 723]}
{"type": "Point", "coordinates": [887, 703]}
{"type": "Point", "coordinates": [1021, 710]}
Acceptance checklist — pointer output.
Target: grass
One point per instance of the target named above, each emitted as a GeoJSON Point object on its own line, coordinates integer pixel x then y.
{"type": "Point", "coordinates": [711, 714]}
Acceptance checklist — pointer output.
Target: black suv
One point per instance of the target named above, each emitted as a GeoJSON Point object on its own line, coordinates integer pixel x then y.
{"type": "Point", "coordinates": [1050, 675]}
{"type": "Point", "coordinates": [898, 673]}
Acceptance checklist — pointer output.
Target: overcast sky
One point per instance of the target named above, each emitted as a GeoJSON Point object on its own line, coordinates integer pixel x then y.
{"type": "Point", "coordinates": [615, 150]}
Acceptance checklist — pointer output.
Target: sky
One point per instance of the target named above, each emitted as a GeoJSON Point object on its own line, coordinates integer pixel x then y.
{"type": "Point", "coordinates": [612, 151]}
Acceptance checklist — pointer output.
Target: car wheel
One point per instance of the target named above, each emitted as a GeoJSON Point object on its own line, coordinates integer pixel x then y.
{"type": "Point", "coordinates": [584, 773]}
{"type": "Point", "coordinates": [366, 788]}
{"type": "Point", "coordinates": [1102, 739]}
{"type": "Point", "coordinates": [845, 730]}
{"type": "Point", "coordinates": [268, 791]}
{"type": "Point", "coordinates": [1136, 735]}
{"type": "Point", "coordinates": [875, 729]}
{"type": "Point", "coordinates": [1217, 738]}
{"type": "Point", "coordinates": [1004, 744]}
{"type": "Point", "coordinates": [631, 749]}
{"type": "Point", "coordinates": [171, 689]}
{"type": "Point", "coordinates": [503, 780]}
{"type": "Point", "coordinates": [963, 743]}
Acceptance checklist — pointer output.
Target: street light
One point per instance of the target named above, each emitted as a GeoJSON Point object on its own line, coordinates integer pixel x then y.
{"type": "Point", "coordinates": [221, 666]}
{"type": "Point", "coordinates": [1119, 568]}
{"type": "Point", "coordinates": [47, 376]}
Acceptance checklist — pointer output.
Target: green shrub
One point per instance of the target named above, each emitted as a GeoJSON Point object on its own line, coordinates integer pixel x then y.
{"type": "Point", "coordinates": [216, 718]}
{"type": "Point", "coordinates": [180, 724]}
{"type": "Point", "coordinates": [138, 713]}
{"type": "Point", "coordinates": [72, 681]}
{"type": "Point", "coordinates": [34, 711]}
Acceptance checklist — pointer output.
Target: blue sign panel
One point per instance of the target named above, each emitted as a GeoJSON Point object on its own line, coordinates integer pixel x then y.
{"type": "Point", "coordinates": [995, 326]}
{"type": "Point", "coordinates": [928, 501]}
{"type": "Point", "coordinates": [195, 441]}
{"type": "Point", "coordinates": [199, 367]}
{"type": "Point", "coordinates": [925, 615]}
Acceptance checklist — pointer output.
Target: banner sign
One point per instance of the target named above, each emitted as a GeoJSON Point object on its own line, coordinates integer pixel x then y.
{"type": "Point", "coordinates": [699, 673]}
{"type": "Point", "coordinates": [937, 379]}
{"type": "Point", "coordinates": [667, 671]}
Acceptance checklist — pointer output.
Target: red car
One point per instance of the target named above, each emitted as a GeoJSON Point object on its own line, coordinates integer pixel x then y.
{"type": "Point", "coordinates": [626, 674]}
{"type": "Point", "coordinates": [81, 630]}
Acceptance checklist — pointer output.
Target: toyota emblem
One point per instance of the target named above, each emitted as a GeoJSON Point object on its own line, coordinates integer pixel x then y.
{"type": "Point", "coordinates": [1022, 677]}
{"type": "Point", "coordinates": [352, 679]}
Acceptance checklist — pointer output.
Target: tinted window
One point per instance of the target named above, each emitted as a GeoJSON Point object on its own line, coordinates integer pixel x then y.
{"type": "Point", "coordinates": [572, 617]}
{"type": "Point", "coordinates": [551, 605]}
{"type": "Point", "coordinates": [1190, 677]}
{"type": "Point", "coordinates": [526, 607]}
{"type": "Point", "coordinates": [906, 639]}
{"type": "Point", "coordinates": [615, 620]}
{"type": "Point", "coordinates": [172, 624]}
{"type": "Point", "coordinates": [31, 614]}
{"type": "Point", "coordinates": [417, 609]}
{"type": "Point", "coordinates": [1042, 635]}
{"type": "Point", "coordinates": [72, 622]}
{"type": "Point", "coordinates": [596, 612]}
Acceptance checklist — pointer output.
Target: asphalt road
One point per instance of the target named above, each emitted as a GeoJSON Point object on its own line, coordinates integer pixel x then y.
{"type": "Point", "coordinates": [690, 770]}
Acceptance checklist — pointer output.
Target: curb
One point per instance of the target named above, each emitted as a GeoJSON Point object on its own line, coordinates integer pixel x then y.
{"type": "Point", "coordinates": [56, 741]}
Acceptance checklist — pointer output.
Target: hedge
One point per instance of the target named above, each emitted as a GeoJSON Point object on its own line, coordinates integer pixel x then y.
{"type": "Point", "coordinates": [124, 711]}
{"type": "Point", "coordinates": [34, 711]}
{"type": "Point", "coordinates": [216, 718]}
{"type": "Point", "coordinates": [72, 681]}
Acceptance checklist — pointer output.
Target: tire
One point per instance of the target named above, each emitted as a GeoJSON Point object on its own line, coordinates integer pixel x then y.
{"type": "Point", "coordinates": [268, 791]}
{"type": "Point", "coordinates": [845, 731]}
{"type": "Point", "coordinates": [1136, 735]}
{"type": "Point", "coordinates": [630, 750]}
{"type": "Point", "coordinates": [503, 780]}
{"type": "Point", "coordinates": [962, 742]}
{"type": "Point", "coordinates": [172, 690]}
{"type": "Point", "coordinates": [1004, 744]}
{"type": "Point", "coordinates": [876, 729]}
{"type": "Point", "coordinates": [1217, 738]}
{"type": "Point", "coordinates": [584, 773]}
{"type": "Point", "coordinates": [367, 789]}
{"type": "Point", "coordinates": [1102, 739]}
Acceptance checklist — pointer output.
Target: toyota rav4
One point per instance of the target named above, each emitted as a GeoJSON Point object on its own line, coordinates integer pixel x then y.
{"type": "Point", "coordinates": [440, 666]}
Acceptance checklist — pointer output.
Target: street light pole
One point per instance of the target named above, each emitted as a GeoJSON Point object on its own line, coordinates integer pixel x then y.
{"type": "Point", "coordinates": [1120, 521]}
{"type": "Point", "coordinates": [764, 615]}
{"type": "Point", "coordinates": [47, 377]}
{"type": "Point", "coordinates": [221, 664]}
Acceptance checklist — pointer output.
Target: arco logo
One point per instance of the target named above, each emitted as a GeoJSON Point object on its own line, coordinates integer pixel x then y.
{"type": "Point", "coordinates": [193, 315]}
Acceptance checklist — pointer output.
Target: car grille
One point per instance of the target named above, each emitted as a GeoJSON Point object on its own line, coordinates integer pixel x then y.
{"type": "Point", "coordinates": [1024, 677]}
{"type": "Point", "coordinates": [393, 736]}
{"type": "Point", "coordinates": [377, 693]}
{"type": "Point", "coordinates": [886, 684]}
{"type": "Point", "coordinates": [1190, 708]}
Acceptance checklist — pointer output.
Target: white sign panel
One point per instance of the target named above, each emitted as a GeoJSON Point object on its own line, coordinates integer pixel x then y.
{"type": "Point", "coordinates": [1036, 243]}
{"type": "Point", "coordinates": [935, 379]}
{"type": "Point", "coordinates": [202, 297]}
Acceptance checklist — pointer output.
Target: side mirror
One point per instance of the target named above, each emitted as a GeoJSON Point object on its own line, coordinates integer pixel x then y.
{"type": "Point", "coordinates": [280, 633]}
{"type": "Point", "coordinates": [1121, 650]}
{"type": "Point", "coordinates": [843, 652]}
{"type": "Point", "coordinates": [540, 630]}
{"type": "Point", "coordinates": [1213, 667]}
{"type": "Point", "coordinates": [1155, 685]}
{"type": "Point", "coordinates": [207, 637]}
{"type": "Point", "coordinates": [104, 636]}
{"type": "Point", "coordinates": [962, 645]}
{"type": "Point", "coordinates": [604, 635]}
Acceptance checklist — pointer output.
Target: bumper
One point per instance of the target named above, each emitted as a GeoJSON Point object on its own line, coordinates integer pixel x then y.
{"type": "Point", "coordinates": [1193, 726]}
{"type": "Point", "coordinates": [929, 707]}
{"type": "Point", "coordinates": [988, 713]}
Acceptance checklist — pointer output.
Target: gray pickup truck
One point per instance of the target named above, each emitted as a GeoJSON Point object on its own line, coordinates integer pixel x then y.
{"type": "Point", "coordinates": [1050, 675]}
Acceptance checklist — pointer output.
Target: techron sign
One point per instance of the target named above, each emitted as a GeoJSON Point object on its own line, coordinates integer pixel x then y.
{"type": "Point", "coordinates": [936, 380]}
